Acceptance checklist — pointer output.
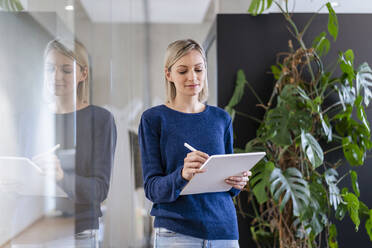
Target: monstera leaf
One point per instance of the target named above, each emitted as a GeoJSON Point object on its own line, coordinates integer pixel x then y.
{"type": "Point", "coordinates": [364, 81]}
{"type": "Point", "coordinates": [260, 180]}
{"type": "Point", "coordinates": [334, 192]}
{"type": "Point", "coordinates": [287, 117]}
{"type": "Point", "coordinates": [346, 95]}
{"type": "Point", "coordinates": [312, 149]}
{"type": "Point", "coordinates": [289, 185]}
{"type": "Point", "coordinates": [278, 122]}
{"type": "Point", "coordinates": [352, 204]}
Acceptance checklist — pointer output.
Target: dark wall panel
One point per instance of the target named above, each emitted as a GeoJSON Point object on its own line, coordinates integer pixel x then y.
{"type": "Point", "coordinates": [252, 43]}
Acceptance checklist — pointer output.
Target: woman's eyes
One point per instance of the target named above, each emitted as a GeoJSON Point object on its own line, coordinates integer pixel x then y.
{"type": "Point", "coordinates": [197, 70]}
{"type": "Point", "coordinates": [50, 69]}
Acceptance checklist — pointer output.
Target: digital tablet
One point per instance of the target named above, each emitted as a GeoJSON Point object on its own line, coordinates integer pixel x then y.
{"type": "Point", "coordinates": [220, 167]}
{"type": "Point", "coordinates": [22, 176]}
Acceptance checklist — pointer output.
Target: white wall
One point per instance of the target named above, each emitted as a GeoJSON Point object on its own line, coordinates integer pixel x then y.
{"type": "Point", "coordinates": [25, 125]}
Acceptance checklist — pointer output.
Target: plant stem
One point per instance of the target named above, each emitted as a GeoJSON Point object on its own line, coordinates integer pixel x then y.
{"type": "Point", "coordinates": [275, 90]}
{"type": "Point", "coordinates": [255, 209]}
{"type": "Point", "coordinates": [254, 93]}
{"type": "Point", "coordinates": [333, 149]}
{"type": "Point", "coordinates": [330, 107]}
{"type": "Point", "coordinates": [339, 180]}
{"type": "Point", "coordinates": [249, 116]}
{"type": "Point", "coordinates": [310, 21]}
{"type": "Point", "coordinates": [337, 137]}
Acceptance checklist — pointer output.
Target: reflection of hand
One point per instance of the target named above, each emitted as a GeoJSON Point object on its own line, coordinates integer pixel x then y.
{"type": "Point", "coordinates": [192, 163]}
{"type": "Point", "coordinates": [239, 182]}
{"type": "Point", "coordinates": [50, 165]}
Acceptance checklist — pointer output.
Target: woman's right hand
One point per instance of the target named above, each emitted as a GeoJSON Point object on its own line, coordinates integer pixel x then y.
{"type": "Point", "coordinates": [192, 163]}
{"type": "Point", "coordinates": [50, 165]}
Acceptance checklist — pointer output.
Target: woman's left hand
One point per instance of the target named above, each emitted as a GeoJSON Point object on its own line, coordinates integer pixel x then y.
{"type": "Point", "coordinates": [239, 182]}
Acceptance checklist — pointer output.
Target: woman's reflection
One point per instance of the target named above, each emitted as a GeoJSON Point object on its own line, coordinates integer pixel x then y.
{"type": "Point", "coordinates": [86, 133]}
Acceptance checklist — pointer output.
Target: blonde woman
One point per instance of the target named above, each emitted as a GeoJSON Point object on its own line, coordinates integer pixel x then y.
{"type": "Point", "coordinates": [86, 129]}
{"type": "Point", "coordinates": [200, 220]}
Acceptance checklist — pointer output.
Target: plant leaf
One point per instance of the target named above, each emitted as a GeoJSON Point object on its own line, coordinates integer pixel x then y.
{"type": "Point", "coordinates": [364, 81]}
{"type": "Point", "coordinates": [332, 22]}
{"type": "Point", "coordinates": [327, 128]}
{"type": "Point", "coordinates": [277, 121]}
{"type": "Point", "coordinates": [11, 5]}
{"type": "Point", "coordinates": [260, 180]}
{"type": "Point", "coordinates": [258, 6]}
{"type": "Point", "coordinates": [352, 152]}
{"type": "Point", "coordinates": [363, 210]}
{"type": "Point", "coordinates": [276, 71]}
{"type": "Point", "coordinates": [346, 61]}
{"type": "Point", "coordinates": [368, 225]}
{"type": "Point", "coordinates": [239, 89]}
{"type": "Point", "coordinates": [361, 113]}
{"type": "Point", "coordinates": [238, 93]}
{"type": "Point", "coordinates": [321, 44]}
{"type": "Point", "coordinates": [346, 95]}
{"type": "Point", "coordinates": [312, 149]}
{"type": "Point", "coordinates": [352, 204]}
{"type": "Point", "coordinates": [332, 239]}
{"type": "Point", "coordinates": [290, 185]}
{"type": "Point", "coordinates": [354, 182]}
{"type": "Point", "coordinates": [330, 176]}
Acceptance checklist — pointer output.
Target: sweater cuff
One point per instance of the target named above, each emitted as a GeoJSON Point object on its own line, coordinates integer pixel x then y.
{"type": "Point", "coordinates": [234, 192]}
{"type": "Point", "coordinates": [180, 181]}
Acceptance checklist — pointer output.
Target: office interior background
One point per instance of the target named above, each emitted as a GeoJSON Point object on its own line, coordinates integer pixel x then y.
{"type": "Point", "coordinates": [126, 41]}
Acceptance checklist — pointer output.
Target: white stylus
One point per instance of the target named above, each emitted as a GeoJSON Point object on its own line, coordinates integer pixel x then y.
{"type": "Point", "coordinates": [53, 149]}
{"type": "Point", "coordinates": [189, 147]}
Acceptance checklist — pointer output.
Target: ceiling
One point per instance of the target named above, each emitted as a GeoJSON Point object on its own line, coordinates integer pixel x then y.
{"type": "Point", "coordinates": [159, 11]}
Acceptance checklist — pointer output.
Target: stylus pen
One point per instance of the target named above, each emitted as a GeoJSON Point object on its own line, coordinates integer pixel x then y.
{"type": "Point", "coordinates": [53, 149]}
{"type": "Point", "coordinates": [189, 147]}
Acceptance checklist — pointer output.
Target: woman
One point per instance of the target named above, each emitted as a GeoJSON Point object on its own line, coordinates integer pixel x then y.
{"type": "Point", "coordinates": [87, 130]}
{"type": "Point", "coordinates": [200, 220]}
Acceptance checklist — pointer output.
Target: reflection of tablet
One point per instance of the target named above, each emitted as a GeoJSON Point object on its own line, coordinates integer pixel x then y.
{"type": "Point", "coordinates": [220, 167]}
{"type": "Point", "coordinates": [22, 176]}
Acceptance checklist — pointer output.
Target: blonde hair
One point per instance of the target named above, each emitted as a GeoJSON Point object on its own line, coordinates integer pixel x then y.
{"type": "Point", "coordinates": [175, 51]}
{"type": "Point", "coordinates": [78, 53]}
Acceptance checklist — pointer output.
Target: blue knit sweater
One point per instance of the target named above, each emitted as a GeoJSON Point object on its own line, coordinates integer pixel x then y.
{"type": "Point", "coordinates": [162, 133]}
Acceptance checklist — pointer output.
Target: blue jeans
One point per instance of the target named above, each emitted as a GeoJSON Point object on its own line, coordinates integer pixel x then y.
{"type": "Point", "coordinates": [165, 238]}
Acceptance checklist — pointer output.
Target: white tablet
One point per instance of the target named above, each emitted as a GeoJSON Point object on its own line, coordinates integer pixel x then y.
{"type": "Point", "coordinates": [220, 167]}
{"type": "Point", "coordinates": [22, 176]}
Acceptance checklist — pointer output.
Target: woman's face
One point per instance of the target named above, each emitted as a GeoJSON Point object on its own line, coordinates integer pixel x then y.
{"type": "Point", "coordinates": [188, 74]}
{"type": "Point", "coordinates": [61, 73]}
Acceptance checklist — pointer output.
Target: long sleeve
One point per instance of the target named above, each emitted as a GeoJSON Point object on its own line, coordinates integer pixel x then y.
{"type": "Point", "coordinates": [229, 139]}
{"type": "Point", "coordinates": [93, 186]}
{"type": "Point", "coordinates": [159, 186]}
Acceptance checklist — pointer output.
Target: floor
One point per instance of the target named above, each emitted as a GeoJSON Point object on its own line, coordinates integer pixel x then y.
{"type": "Point", "coordinates": [56, 232]}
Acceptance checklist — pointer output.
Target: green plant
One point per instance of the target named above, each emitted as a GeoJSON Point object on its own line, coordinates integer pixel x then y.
{"type": "Point", "coordinates": [294, 191]}
{"type": "Point", "coordinates": [11, 5]}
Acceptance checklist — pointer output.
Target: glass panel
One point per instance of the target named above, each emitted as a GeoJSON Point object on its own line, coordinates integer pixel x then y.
{"type": "Point", "coordinates": [75, 79]}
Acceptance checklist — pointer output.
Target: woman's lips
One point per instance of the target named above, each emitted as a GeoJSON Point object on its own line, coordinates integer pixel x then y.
{"type": "Point", "coordinates": [192, 85]}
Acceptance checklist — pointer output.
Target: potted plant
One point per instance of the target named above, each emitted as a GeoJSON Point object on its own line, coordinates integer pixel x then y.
{"type": "Point", "coordinates": [294, 192]}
